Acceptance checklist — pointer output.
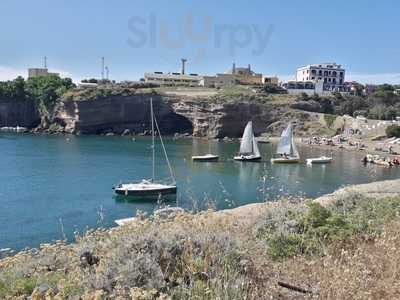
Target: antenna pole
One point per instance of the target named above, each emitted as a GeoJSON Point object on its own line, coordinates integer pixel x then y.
{"type": "Point", "coordinates": [45, 62]}
{"type": "Point", "coordinates": [102, 68]}
{"type": "Point", "coordinates": [152, 137]}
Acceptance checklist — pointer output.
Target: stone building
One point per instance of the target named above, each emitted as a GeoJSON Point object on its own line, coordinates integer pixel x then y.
{"type": "Point", "coordinates": [37, 72]}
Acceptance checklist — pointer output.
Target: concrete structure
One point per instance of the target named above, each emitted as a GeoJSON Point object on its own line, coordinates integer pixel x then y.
{"type": "Point", "coordinates": [274, 80]}
{"type": "Point", "coordinates": [331, 74]}
{"type": "Point", "coordinates": [173, 79]}
{"type": "Point", "coordinates": [245, 75]}
{"type": "Point", "coordinates": [37, 72]}
{"type": "Point", "coordinates": [305, 87]}
{"type": "Point", "coordinates": [220, 80]}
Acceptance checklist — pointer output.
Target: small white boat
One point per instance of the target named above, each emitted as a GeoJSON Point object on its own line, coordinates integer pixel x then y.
{"type": "Point", "coordinates": [150, 188]}
{"type": "Point", "coordinates": [122, 222]}
{"type": "Point", "coordinates": [207, 157]}
{"type": "Point", "coordinates": [286, 152]}
{"type": "Point", "coordinates": [248, 146]}
{"type": "Point", "coordinates": [319, 160]}
{"type": "Point", "coordinates": [162, 213]}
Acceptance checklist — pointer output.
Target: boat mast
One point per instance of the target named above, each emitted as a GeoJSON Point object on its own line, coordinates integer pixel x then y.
{"type": "Point", "coordinates": [165, 153]}
{"type": "Point", "coordinates": [152, 137]}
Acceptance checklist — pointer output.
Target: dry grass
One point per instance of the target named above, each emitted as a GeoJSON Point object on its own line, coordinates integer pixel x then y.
{"type": "Point", "coordinates": [212, 256]}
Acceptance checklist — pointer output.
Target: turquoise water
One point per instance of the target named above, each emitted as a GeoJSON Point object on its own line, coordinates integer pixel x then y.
{"type": "Point", "coordinates": [53, 184]}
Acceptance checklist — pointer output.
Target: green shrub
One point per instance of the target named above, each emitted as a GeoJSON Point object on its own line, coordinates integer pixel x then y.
{"type": "Point", "coordinates": [393, 131]}
{"type": "Point", "coordinates": [319, 228]}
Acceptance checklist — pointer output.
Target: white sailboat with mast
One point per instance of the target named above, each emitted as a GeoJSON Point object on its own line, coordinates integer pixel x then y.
{"type": "Point", "coordinates": [150, 187]}
{"type": "Point", "coordinates": [209, 157]}
{"type": "Point", "coordinates": [248, 146]}
{"type": "Point", "coordinates": [287, 150]}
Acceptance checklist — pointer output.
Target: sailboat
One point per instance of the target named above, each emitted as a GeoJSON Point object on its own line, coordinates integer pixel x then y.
{"type": "Point", "coordinates": [286, 151]}
{"type": "Point", "coordinates": [150, 187]}
{"type": "Point", "coordinates": [209, 157]}
{"type": "Point", "coordinates": [248, 146]}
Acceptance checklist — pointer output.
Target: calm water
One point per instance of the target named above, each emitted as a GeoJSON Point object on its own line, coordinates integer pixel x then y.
{"type": "Point", "coordinates": [46, 181]}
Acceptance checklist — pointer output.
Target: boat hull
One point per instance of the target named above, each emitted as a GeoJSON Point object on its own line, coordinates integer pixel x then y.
{"type": "Point", "coordinates": [145, 189]}
{"type": "Point", "coordinates": [205, 158]}
{"type": "Point", "coordinates": [319, 160]}
{"type": "Point", "coordinates": [247, 158]}
{"type": "Point", "coordinates": [285, 160]}
{"type": "Point", "coordinates": [155, 192]}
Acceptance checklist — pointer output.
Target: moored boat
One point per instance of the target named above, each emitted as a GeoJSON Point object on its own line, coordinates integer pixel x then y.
{"type": "Point", "coordinates": [205, 158]}
{"type": "Point", "coordinates": [286, 152]}
{"type": "Point", "coordinates": [319, 160]}
{"type": "Point", "coordinates": [248, 146]}
{"type": "Point", "coordinates": [150, 189]}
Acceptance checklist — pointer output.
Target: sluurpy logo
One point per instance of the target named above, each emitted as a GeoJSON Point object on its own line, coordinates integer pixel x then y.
{"type": "Point", "coordinates": [154, 31]}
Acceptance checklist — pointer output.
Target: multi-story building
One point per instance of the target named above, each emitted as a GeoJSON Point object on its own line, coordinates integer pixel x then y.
{"type": "Point", "coordinates": [37, 72]}
{"type": "Point", "coordinates": [173, 79]}
{"type": "Point", "coordinates": [331, 74]}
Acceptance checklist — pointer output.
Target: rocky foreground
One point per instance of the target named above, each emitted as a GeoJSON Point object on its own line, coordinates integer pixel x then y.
{"type": "Point", "coordinates": [340, 246]}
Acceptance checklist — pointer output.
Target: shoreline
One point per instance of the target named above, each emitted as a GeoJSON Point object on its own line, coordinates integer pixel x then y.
{"type": "Point", "coordinates": [370, 145]}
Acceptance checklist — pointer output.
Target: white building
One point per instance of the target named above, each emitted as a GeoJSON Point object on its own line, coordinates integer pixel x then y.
{"type": "Point", "coordinates": [331, 74]}
{"type": "Point", "coordinates": [173, 79]}
{"type": "Point", "coordinates": [305, 87]}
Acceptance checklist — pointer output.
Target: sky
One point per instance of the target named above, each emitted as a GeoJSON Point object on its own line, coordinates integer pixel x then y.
{"type": "Point", "coordinates": [275, 37]}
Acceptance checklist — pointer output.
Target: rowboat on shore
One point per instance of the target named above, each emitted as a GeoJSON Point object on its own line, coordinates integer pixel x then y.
{"type": "Point", "coordinates": [319, 160]}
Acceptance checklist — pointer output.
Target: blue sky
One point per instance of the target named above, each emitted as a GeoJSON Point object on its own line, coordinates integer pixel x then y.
{"type": "Point", "coordinates": [275, 37]}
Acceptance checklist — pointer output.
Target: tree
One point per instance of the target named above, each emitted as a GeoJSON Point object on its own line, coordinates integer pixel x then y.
{"type": "Point", "coordinates": [47, 90]}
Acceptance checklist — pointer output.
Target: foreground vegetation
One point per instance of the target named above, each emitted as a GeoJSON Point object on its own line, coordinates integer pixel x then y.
{"type": "Point", "coordinates": [346, 250]}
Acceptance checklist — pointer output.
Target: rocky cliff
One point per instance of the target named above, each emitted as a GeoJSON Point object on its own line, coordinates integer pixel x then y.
{"type": "Point", "coordinates": [18, 113]}
{"type": "Point", "coordinates": [117, 114]}
{"type": "Point", "coordinates": [127, 111]}
{"type": "Point", "coordinates": [202, 117]}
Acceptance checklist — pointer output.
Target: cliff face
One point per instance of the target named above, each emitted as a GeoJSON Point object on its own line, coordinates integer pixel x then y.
{"type": "Point", "coordinates": [18, 113]}
{"type": "Point", "coordinates": [202, 117]}
{"type": "Point", "coordinates": [219, 119]}
{"type": "Point", "coordinates": [117, 114]}
{"type": "Point", "coordinates": [175, 114]}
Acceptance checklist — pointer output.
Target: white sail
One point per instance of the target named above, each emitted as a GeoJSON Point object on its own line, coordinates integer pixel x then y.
{"type": "Point", "coordinates": [294, 152]}
{"type": "Point", "coordinates": [285, 142]}
{"type": "Point", "coordinates": [256, 151]}
{"type": "Point", "coordinates": [246, 145]}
